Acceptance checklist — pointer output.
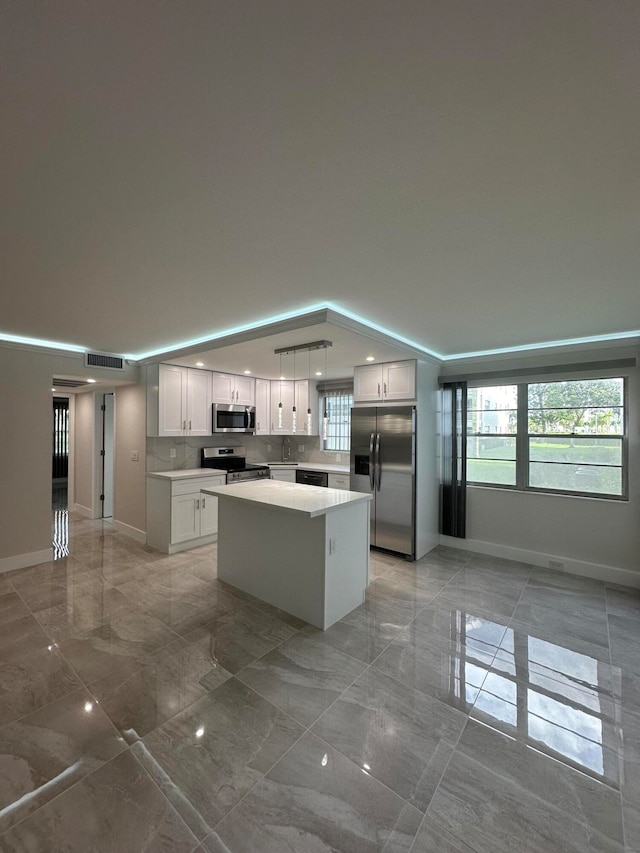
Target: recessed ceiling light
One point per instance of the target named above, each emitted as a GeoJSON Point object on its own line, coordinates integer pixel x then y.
{"type": "Point", "coordinates": [318, 373]}
{"type": "Point", "coordinates": [371, 358]}
{"type": "Point", "coordinates": [247, 372]}
{"type": "Point", "coordinates": [199, 363]}
{"type": "Point", "coordinates": [283, 377]}
{"type": "Point", "coordinates": [53, 389]}
{"type": "Point", "coordinates": [92, 381]}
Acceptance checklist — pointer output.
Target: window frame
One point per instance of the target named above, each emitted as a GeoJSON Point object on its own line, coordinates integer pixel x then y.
{"type": "Point", "coordinates": [523, 436]}
{"type": "Point", "coordinates": [329, 393]}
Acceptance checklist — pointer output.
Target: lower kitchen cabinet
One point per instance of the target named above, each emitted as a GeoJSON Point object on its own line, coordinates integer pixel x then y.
{"type": "Point", "coordinates": [339, 481]}
{"type": "Point", "coordinates": [179, 516]}
{"type": "Point", "coordinates": [287, 475]}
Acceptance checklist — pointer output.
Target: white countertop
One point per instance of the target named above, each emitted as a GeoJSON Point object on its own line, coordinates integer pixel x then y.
{"type": "Point", "coordinates": [330, 468]}
{"type": "Point", "coordinates": [185, 473]}
{"type": "Point", "coordinates": [289, 497]}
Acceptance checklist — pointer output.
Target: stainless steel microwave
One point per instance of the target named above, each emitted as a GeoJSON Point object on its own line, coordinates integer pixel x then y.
{"type": "Point", "coordinates": [229, 418]}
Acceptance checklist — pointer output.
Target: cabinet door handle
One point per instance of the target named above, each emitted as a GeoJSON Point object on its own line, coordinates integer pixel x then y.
{"type": "Point", "coordinates": [184, 426]}
{"type": "Point", "coordinates": [385, 389]}
{"type": "Point", "coordinates": [378, 389]}
{"type": "Point", "coordinates": [204, 502]}
{"type": "Point", "coordinates": [189, 426]}
{"type": "Point", "coordinates": [198, 504]}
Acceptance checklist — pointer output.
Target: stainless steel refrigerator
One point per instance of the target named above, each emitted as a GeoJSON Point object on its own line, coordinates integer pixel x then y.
{"type": "Point", "coordinates": [383, 463]}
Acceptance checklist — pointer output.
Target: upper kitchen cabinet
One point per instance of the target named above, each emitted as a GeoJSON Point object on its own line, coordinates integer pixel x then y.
{"type": "Point", "coordinates": [178, 401]}
{"type": "Point", "coordinates": [263, 407]}
{"type": "Point", "coordinates": [384, 383]}
{"type": "Point", "coordinates": [301, 394]}
{"type": "Point", "coordinates": [229, 388]}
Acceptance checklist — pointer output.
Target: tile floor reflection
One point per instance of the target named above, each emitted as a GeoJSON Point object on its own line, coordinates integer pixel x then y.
{"type": "Point", "coordinates": [470, 704]}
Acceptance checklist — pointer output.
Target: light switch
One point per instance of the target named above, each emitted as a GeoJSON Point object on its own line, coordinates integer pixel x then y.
{"type": "Point", "coordinates": [135, 455]}
{"type": "Point", "coordinates": [172, 453]}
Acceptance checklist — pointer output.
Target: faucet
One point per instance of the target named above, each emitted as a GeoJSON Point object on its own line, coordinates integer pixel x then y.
{"type": "Point", "coordinates": [286, 449]}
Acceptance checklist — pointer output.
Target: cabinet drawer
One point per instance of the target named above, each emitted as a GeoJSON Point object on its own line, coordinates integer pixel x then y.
{"type": "Point", "coordinates": [194, 484]}
{"type": "Point", "coordinates": [339, 481]}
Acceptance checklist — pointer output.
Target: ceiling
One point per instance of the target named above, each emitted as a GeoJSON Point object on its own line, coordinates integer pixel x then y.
{"type": "Point", "coordinates": [462, 174]}
{"type": "Point", "coordinates": [258, 356]}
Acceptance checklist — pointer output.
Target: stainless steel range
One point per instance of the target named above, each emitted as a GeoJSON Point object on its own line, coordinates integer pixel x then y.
{"type": "Point", "coordinates": [232, 460]}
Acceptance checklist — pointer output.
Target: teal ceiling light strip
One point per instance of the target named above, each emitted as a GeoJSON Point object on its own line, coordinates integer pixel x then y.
{"type": "Point", "coordinates": [38, 342]}
{"type": "Point", "coordinates": [591, 339]}
{"type": "Point", "coordinates": [341, 312]}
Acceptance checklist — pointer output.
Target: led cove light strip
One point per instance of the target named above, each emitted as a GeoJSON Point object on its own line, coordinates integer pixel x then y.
{"type": "Point", "coordinates": [38, 342]}
{"type": "Point", "coordinates": [329, 306]}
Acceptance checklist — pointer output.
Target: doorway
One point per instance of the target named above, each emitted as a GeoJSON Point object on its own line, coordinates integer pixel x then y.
{"type": "Point", "coordinates": [60, 478]}
{"type": "Point", "coordinates": [107, 456]}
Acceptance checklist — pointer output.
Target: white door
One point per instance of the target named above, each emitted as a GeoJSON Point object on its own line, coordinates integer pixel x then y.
{"type": "Point", "coordinates": [198, 402]}
{"type": "Point", "coordinates": [399, 380]}
{"type": "Point", "coordinates": [367, 383]}
{"type": "Point", "coordinates": [208, 514]}
{"type": "Point", "coordinates": [223, 389]}
{"type": "Point", "coordinates": [185, 517]}
{"type": "Point", "coordinates": [245, 390]}
{"type": "Point", "coordinates": [172, 400]}
{"type": "Point", "coordinates": [107, 455]}
{"type": "Point", "coordinates": [263, 407]}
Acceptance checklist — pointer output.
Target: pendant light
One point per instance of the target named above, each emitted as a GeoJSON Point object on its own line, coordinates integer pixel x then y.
{"type": "Point", "coordinates": [280, 403]}
{"type": "Point", "coordinates": [325, 413]}
{"type": "Point", "coordinates": [294, 414]}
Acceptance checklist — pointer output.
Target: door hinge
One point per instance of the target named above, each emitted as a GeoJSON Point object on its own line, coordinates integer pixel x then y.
{"type": "Point", "coordinates": [101, 497]}
{"type": "Point", "coordinates": [103, 408]}
{"type": "Point", "coordinates": [102, 453]}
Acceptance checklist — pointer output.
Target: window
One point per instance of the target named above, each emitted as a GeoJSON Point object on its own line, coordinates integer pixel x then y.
{"type": "Point", "coordinates": [553, 436]}
{"type": "Point", "coordinates": [337, 404]}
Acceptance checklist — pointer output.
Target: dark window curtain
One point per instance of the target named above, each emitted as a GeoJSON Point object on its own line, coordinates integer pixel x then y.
{"type": "Point", "coordinates": [453, 495]}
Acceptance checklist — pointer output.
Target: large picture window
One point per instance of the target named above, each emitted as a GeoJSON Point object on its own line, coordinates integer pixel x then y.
{"type": "Point", "coordinates": [553, 436]}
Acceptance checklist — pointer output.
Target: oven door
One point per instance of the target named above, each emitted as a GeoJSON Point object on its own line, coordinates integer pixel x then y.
{"type": "Point", "coordinates": [229, 418]}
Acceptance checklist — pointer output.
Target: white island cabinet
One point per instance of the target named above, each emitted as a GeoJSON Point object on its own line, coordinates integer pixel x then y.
{"type": "Point", "coordinates": [303, 549]}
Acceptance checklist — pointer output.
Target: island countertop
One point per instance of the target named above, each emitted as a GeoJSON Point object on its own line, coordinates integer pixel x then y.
{"type": "Point", "coordinates": [310, 501]}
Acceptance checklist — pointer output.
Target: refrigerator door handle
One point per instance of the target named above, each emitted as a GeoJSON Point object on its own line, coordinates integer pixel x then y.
{"type": "Point", "coordinates": [378, 465]}
{"type": "Point", "coordinates": [372, 484]}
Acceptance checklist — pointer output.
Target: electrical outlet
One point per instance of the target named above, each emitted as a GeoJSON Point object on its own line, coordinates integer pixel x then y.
{"type": "Point", "coordinates": [172, 453]}
{"type": "Point", "coordinates": [135, 455]}
{"type": "Point", "coordinates": [268, 448]}
{"type": "Point", "coordinates": [338, 457]}
{"type": "Point", "coordinates": [301, 448]}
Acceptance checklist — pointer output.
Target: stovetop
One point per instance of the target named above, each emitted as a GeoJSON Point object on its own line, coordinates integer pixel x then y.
{"type": "Point", "coordinates": [230, 459]}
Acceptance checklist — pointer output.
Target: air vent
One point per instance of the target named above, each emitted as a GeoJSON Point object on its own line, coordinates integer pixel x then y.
{"type": "Point", "coordinates": [68, 383]}
{"type": "Point", "coordinates": [103, 359]}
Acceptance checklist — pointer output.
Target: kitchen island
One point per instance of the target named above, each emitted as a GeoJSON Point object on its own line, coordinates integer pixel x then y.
{"type": "Point", "coordinates": [303, 549]}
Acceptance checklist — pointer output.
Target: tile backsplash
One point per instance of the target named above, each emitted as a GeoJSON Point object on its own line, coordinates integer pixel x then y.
{"type": "Point", "coordinates": [188, 450]}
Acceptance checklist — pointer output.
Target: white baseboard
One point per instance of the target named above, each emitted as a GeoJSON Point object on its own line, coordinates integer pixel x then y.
{"type": "Point", "coordinates": [85, 511]}
{"type": "Point", "coordinates": [598, 571]}
{"type": "Point", "coordinates": [128, 530]}
{"type": "Point", "coordinates": [21, 561]}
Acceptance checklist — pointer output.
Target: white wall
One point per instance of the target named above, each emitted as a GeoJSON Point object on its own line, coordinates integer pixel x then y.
{"type": "Point", "coordinates": [26, 441]}
{"type": "Point", "coordinates": [129, 514]}
{"type": "Point", "coordinates": [592, 536]}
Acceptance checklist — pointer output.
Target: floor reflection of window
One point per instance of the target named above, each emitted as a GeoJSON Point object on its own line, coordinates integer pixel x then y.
{"type": "Point", "coordinates": [551, 697]}
{"type": "Point", "coordinates": [60, 538]}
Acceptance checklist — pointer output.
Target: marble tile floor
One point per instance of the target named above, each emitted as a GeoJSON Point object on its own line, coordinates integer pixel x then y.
{"type": "Point", "coordinates": [469, 705]}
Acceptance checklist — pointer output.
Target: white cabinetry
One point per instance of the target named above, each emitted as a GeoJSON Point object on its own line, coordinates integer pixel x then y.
{"type": "Point", "coordinates": [339, 481]}
{"type": "Point", "coordinates": [302, 392]}
{"type": "Point", "coordinates": [229, 388]}
{"type": "Point", "coordinates": [386, 383]}
{"type": "Point", "coordinates": [179, 515]}
{"type": "Point", "coordinates": [263, 407]}
{"type": "Point", "coordinates": [178, 401]}
{"type": "Point", "coordinates": [286, 475]}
